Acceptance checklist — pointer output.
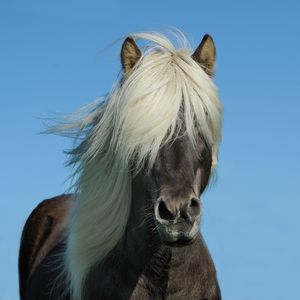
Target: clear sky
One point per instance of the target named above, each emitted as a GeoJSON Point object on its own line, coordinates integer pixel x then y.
{"type": "Point", "coordinates": [52, 61]}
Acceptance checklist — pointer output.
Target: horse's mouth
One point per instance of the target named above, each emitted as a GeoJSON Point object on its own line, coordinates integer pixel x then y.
{"type": "Point", "coordinates": [179, 243]}
{"type": "Point", "coordinates": [174, 238]}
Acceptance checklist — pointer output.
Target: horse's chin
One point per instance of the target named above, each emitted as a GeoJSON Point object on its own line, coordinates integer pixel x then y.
{"type": "Point", "coordinates": [176, 239]}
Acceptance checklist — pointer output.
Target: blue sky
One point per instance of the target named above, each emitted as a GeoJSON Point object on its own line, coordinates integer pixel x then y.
{"type": "Point", "coordinates": [53, 59]}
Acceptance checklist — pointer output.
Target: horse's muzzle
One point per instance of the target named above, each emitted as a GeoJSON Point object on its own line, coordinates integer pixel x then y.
{"type": "Point", "coordinates": [178, 234]}
{"type": "Point", "coordinates": [177, 222]}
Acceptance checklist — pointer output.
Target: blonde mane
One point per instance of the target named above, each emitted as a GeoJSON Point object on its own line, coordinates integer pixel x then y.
{"type": "Point", "coordinates": [166, 92]}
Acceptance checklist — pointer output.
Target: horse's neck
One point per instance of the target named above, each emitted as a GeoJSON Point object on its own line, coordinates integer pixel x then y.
{"type": "Point", "coordinates": [140, 237]}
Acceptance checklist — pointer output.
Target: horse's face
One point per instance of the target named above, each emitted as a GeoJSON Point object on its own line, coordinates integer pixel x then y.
{"type": "Point", "coordinates": [178, 176]}
{"type": "Point", "coordinates": [177, 180]}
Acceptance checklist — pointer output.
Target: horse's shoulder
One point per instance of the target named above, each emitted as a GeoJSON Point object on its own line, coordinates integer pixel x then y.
{"type": "Point", "coordinates": [51, 210]}
{"type": "Point", "coordinates": [42, 231]}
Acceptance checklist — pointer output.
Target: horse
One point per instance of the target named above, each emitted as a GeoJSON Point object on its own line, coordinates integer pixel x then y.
{"type": "Point", "coordinates": [142, 158]}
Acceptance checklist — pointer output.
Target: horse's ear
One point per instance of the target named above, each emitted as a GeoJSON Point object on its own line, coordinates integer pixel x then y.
{"type": "Point", "coordinates": [130, 54]}
{"type": "Point", "coordinates": [205, 54]}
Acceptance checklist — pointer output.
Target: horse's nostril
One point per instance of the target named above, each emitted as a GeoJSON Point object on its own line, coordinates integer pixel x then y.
{"type": "Point", "coordinates": [194, 202]}
{"type": "Point", "coordinates": [194, 207]}
{"type": "Point", "coordinates": [164, 212]}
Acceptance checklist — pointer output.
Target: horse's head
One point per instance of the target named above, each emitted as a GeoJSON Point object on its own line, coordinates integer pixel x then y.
{"type": "Point", "coordinates": [180, 171]}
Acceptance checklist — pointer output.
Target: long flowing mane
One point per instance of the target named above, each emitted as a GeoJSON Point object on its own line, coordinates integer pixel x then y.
{"type": "Point", "coordinates": [165, 93]}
